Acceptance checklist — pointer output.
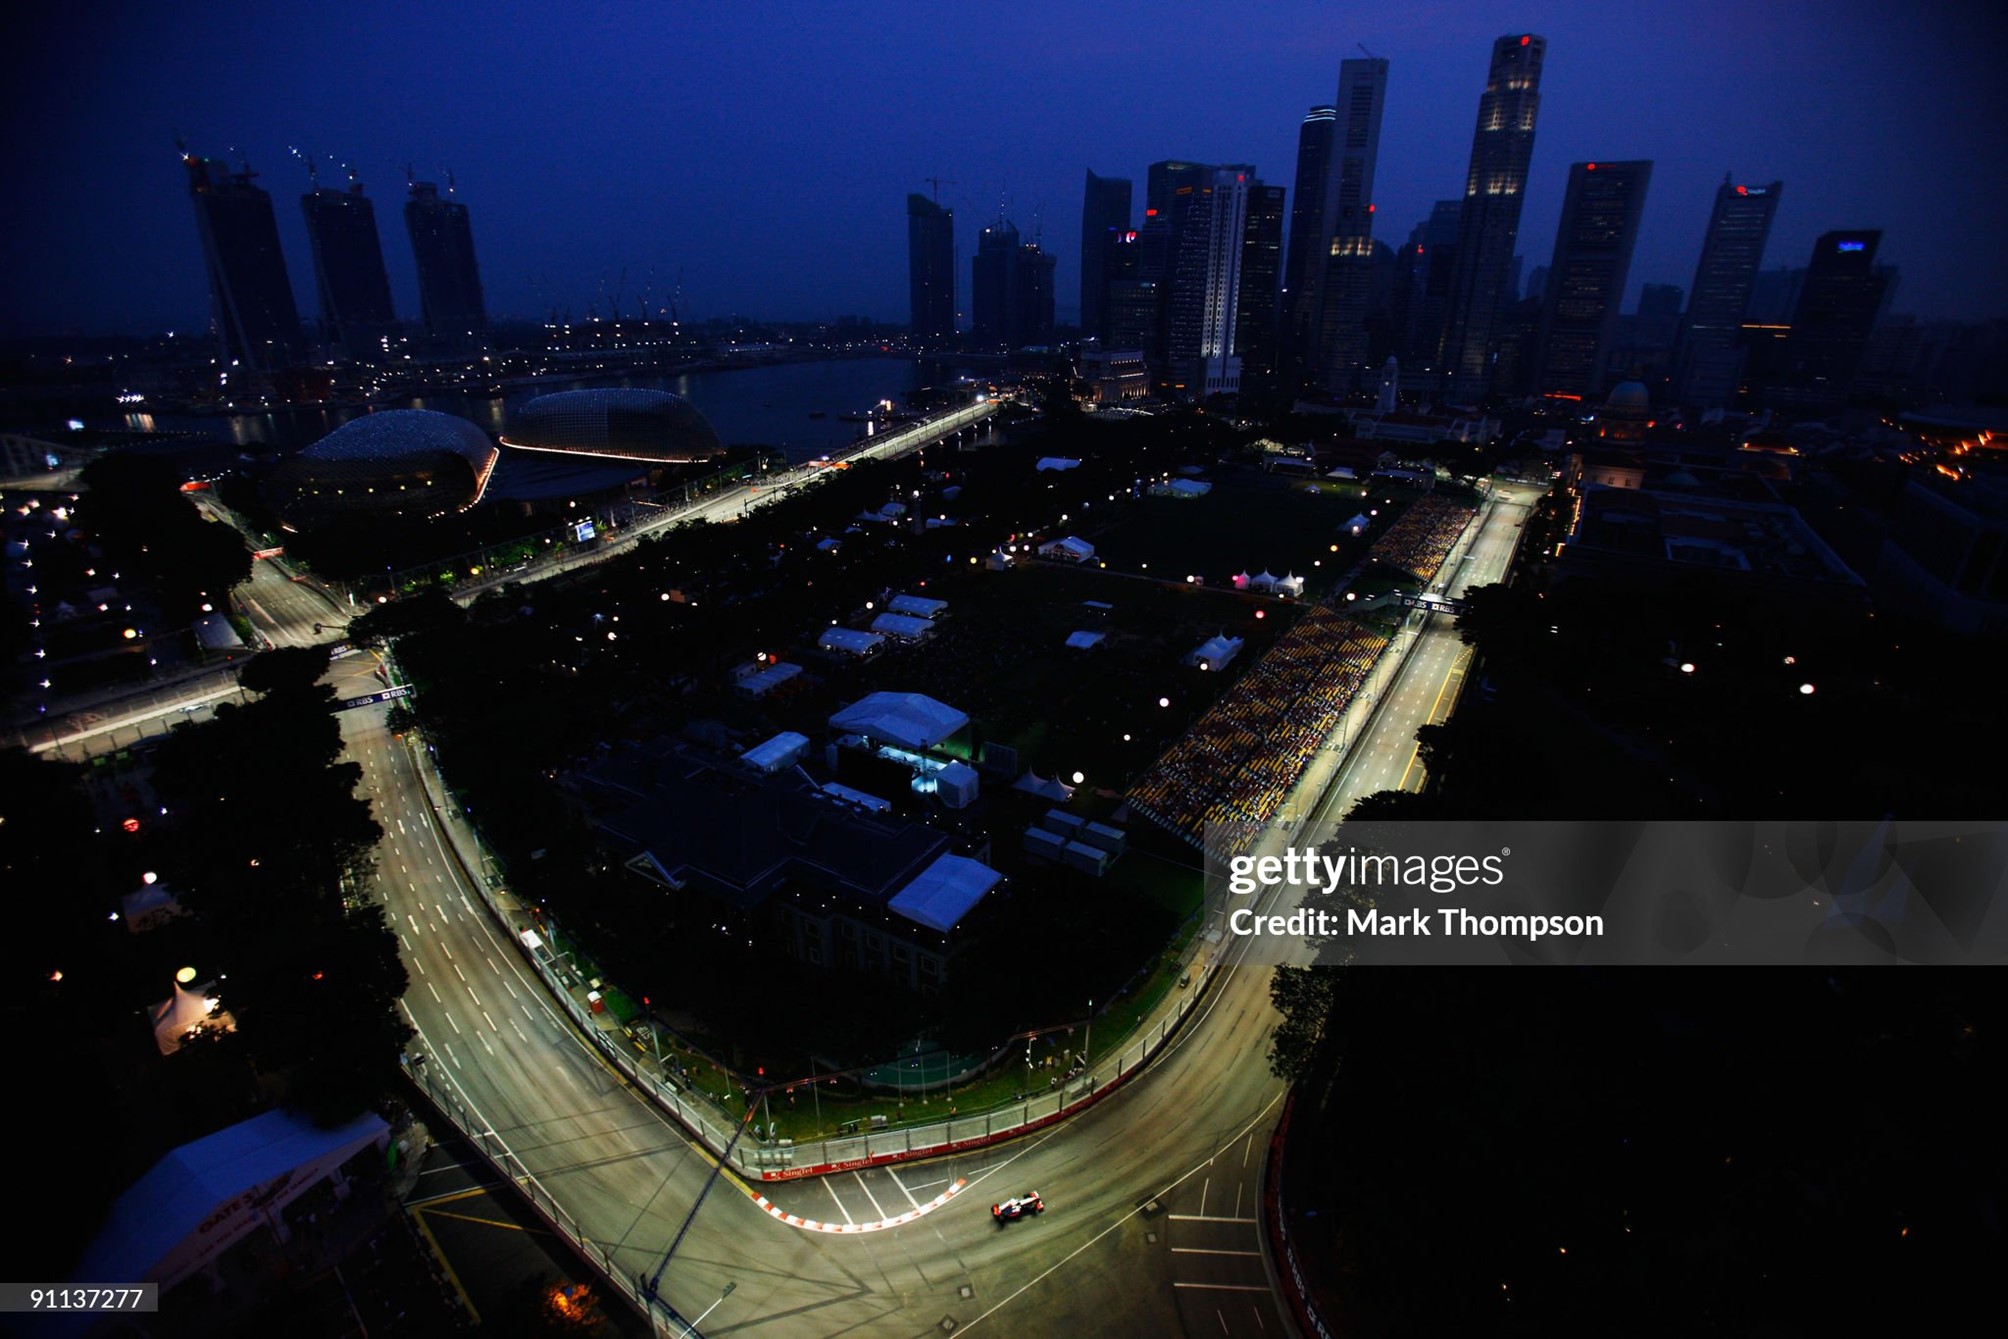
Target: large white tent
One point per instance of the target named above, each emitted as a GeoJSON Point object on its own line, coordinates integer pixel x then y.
{"type": "Point", "coordinates": [945, 892]}
{"type": "Point", "coordinates": [911, 720]}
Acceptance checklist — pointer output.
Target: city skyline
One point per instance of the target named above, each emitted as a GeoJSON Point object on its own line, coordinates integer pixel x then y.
{"type": "Point", "coordinates": [709, 175]}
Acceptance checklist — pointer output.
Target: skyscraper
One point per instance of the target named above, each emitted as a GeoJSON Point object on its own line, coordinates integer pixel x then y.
{"type": "Point", "coordinates": [257, 323]}
{"type": "Point", "coordinates": [1209, 223]}
{"type": "Point", "coordinates": [1301, 264]}
{"type": "Point", "coordinates": [1349, 224]}
{"type": "Point", "coordinates": [449, 282]}
{"type": "Point", "coordinates": [1011, 289]}
{"type": "Point", "coordinates": [1031, 320]}
{"type": "Point", "coordinates": [1129, 321]}
{"type": "Point", "coordinates": [1709, 357]}
{"type": "Point", "coordinates": [1488, 226]}
{"type": "Point", "coordinates": [1422, 286]}
{"type": "Point", "coordinates": [1831, 327]}
{"type": "Point", "coordinates": [930, 268]}
{"type": "Point", "coordinates": [990, 283]}
{"type": "Point", "coordinates": [1164, 179]}
{"type": "Point", "coordinates": [1586, 279]}
{"type": "Point", "coordinates": [1255, 333]}
{"type": "Point", "coordinates": [348, 270]}
{"type": "Point", "coordinates": [1105, 209]}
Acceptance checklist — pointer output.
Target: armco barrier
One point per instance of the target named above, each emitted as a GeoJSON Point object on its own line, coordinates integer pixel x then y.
{"type": "Point", "coordinates": [662, 1318]}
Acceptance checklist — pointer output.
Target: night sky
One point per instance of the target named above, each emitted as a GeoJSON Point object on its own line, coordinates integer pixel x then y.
{"type": "Point", "coordinates": [762, 152]}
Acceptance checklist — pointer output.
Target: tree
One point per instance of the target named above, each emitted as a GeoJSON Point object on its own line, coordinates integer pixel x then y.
{"type": "Point", "coordinates": [287, 669]}
{"type": "Point", "coordinates": [424, 612]}
{"type": "Point", "coordinates": [1304, 996]}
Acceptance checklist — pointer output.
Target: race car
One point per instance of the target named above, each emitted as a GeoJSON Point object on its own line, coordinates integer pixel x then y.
{"type": "Point", "coordinates": [1018, 1206]}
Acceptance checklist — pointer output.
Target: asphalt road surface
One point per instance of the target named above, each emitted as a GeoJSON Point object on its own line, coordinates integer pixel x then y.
{"type": "Point", "coordinates": [1151, 1221]}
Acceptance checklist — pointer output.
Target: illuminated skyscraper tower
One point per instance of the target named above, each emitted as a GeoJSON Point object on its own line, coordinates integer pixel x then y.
{"type": "Point", "coordinates": [1488, 225]}
{"type": "Point", "coordinates": [1341, 341]}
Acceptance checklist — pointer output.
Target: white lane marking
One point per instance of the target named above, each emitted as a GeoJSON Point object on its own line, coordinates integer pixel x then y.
{"type": "Point", "coordinates": [421, 966]}
{"type": "Point", "coordinates": [476, 998]}
{"type": "Point", "coordinates": [442, 912]}
{"type": "Point", "coordinates": [491, 964]}
{"type": "Point", "coordinates": [1204, 1186]}
{"type": "Point", "coordinates": [484, 1043]}
{"type": "Point", "coordinates": [1225, 1287]}
{"type": "Point", "coordinates": [902, 1188]}
{"type": "Point", "coordinates": [1202, 1218]}
{"type": "Point", "coordinates": [840, 1204]}
{"type": "Point", "coordinates": [414, 922]}
{"type": "Point", "coordinates": [1205, 1250]}
{"type": "Point", "coordinates": [519, 1030]}
{"type": "Point", "coordinates": [451, 1056]}
{"type": "Point", "coordinates": [402, 940]}
{"type": "Point", "coordinates": [876, 1207]}
{"type": "Point", "coordinates": [400, 825]}
{"type": "Point", "coordinates": [491, 1022]}
{"type": "Point", "coordinates": [456, 1026]}
{"type": "Point", "coordinates": [449, 952]}
{"type": "Point", "coordinates": [529, 1013]}
{"type": "Point", "coordinates": [463, 981]}
{"type": "Point", "coordinates": [435, 993]}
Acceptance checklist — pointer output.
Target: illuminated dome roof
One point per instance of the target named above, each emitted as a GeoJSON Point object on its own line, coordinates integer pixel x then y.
{"type": "Point", "coordinates": [409, 463]}
{"type": "Point", "coordinates": [627, 424]}
{"type": "Point", "coordinates": [1630, 395]}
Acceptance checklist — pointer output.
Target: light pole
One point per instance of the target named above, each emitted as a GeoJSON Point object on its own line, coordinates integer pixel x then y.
{"type": "Point", "coordinates": [690, 1326]}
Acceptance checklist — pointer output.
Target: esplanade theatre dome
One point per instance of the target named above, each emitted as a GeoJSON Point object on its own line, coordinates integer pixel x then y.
{"type": "Point", "coordinates": [410, 464]}
{"type": "Point", "coordinates": [622, 424]}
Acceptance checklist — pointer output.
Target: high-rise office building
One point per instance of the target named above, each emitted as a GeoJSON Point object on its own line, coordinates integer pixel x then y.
{"type": "Point", "coordinates": [1163, 181]}
{"type": "Point", "coordinates": [1130, 319]}
{"type": "Point", "coordinates": [257, 323]}
{"type": "Point", "coordinates": [1537, 284]}
{"type": "Point", "coordinates": [1586, 278]}
{"type": "Point", "coordinates": [356, 311]}
{"type": "Point", "coordinates": [1303, 262]}
{"type": "Point", "coordinates": [1032, 297]}
{"type": "Point", "coordinates": [991, 272]}
{"type": "Point", "coordinates": [1708, 360]}
{"type": "Point", "coordinates": [1488, 226]}
{"type": "Point", "coordinates": [1658, 313]}
{"type": "Point", "coordinates": [1342, 340]}
{"type": "Point", "coordinates": [1774, 295]}
{"type": "Point", "coordinates": [1422, 286]}
{"type": "Point", "coordinates": [1105, 209]}
{"type": "Point", "coordinates": [1209, 225]}
{"type": "Point", "coordinates": [1011, 289]}
{"type": "Point", "coordinates": [930, 268]}
{"type": "Point", "coordinates": [1831, 326]}
{"type": "Point", "coordinates": [1255, 332]}
{"type": "Point", "coordinates": [449, 281]}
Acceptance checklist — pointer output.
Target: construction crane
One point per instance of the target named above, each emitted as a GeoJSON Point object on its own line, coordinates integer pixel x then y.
{"type": "Point", "coordinates": [1363, 51]}
{"type": "Point", "coordinates": [938, 183]}
{"type": "Point", "coordinates": [313, 178]}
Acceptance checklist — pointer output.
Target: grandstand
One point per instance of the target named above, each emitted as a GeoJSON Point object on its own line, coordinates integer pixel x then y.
{"type": "Point", "coordinates": [1239, 762]}
{"type": "Point", "coordinates": [1422, 539]}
